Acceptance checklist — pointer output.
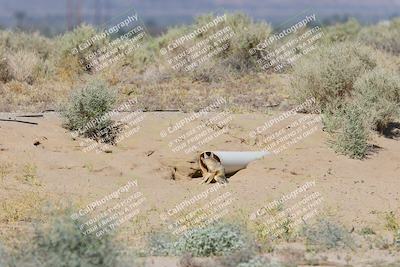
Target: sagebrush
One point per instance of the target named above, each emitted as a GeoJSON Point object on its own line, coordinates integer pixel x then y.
{"type": "Point", "coordinates": [325, 234]}
{"type": "Point", "coordinates": [61, 243]}
{"type": "Point", "coordinates": [352, 136]}
{"type": "Point", "coordinates": [215, 239]}
{"type": "Point", "coordinates": [329, 74]}
{"type": "Point", "coordinates": [88, 108]}
{"type": "Point", "coordinates": [377, 93]}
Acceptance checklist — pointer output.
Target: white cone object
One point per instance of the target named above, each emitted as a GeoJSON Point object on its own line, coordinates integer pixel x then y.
{"type": "Point", "coordinates": [234, 161]}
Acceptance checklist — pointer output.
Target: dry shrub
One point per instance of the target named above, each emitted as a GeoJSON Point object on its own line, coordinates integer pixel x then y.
{"type": "Point", "coordinates": [20, 46]}
{"type": "Point", "coordinates": [5, 74]}
{"type": "Point", "coordinates": [16, 41]}
{"type": "Point", "coordinates": [20, 96]}
{"type": "Point", "coordinates": [384, 36]}
{"type": "Point", "coordinates": [329, 74]}
{"type": "Point", "coordinates": [17, 87]}
{"type": "Point", "coordinates": [61, 243]}
{"type": "Point", "coordinates": [342, 32]}
{"type": "Point", "coordinates": [248, 35]}
{"type": "Point", "coordinates": [235, 59]}
{"type": "Point", "coordinates": [29, 175]}
{"type": "Point", "coordinates": [378, 94]}
{"type": "Point", "coordinates": [24, 66]}
{"type": "Point", "coordinates": [70, 64]}
{"type": "Point", "coordinates": [5, 169]}
{"type": "Point", "coordinates": [16, 95]}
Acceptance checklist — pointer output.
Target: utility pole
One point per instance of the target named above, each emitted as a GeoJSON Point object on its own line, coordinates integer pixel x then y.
{"type": "Point", "coordinates": [70, 15]}
{"type": "Point", "coordinates": [78, 12]}
{"type": "Point", "coordinates": [98, 12]}
{"type": "Point", "coordinates": [73, 13]}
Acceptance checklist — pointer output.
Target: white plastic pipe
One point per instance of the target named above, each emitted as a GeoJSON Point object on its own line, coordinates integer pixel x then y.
{"type": "Point", "coordinates": [234, 161]}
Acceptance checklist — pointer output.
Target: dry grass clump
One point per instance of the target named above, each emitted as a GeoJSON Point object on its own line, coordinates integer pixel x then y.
{"type": "Point", "coordinates": [24, 66]}
{"type": "Point", "coordinates": [34, 42]}
{"type": "Point", "coordinates": [392, 222]}
{"type": "Point", "coordinates": [26, 57]}
{"type": "Point", "coordinates": [69, 64]}
{"type": "Point", "coordinates": [5, 74]}
{"type": "Point", "coordinates": [5, 169]}
{"type": "Point", "coordinates": [23, 208]}
{"type": "Point", "coordinates": [21, 96]}
{"type": "Point", "coordinates": [29, 175]}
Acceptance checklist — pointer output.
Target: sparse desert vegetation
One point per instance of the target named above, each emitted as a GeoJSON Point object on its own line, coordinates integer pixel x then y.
{"type": "Point", "coordinates": [353, 74]}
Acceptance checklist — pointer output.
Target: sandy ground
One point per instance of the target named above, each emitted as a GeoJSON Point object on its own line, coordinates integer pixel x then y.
{"type": "Point", "coordinates": [357, 193]}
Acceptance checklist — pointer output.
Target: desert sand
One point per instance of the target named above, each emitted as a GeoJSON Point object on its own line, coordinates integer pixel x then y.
{"type": "Point", "coordinates": [357, 193]}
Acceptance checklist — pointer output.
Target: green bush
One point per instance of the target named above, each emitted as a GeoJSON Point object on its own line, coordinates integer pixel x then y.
{"type": "Point", "coordinates": [161, 244]}
{"type": "Point", "coordinates": [384, 36]}
{"type": "Point", "coordinates": [329, 74]}
{"type": "Point", "coordinates": [378, 95]}
{"type": "Point", "coordinates": [61, 243]}
{"type": "Point", "coordinates": [325, 234]}
{"type": "Point", "coordinates": [218, 239]}
{"type": "Point", "coordinates": [88, 108]}
{"type": "Point", "coordinates": [4, 257]}
{"type": "Point", "coordinates": [352, 136]}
